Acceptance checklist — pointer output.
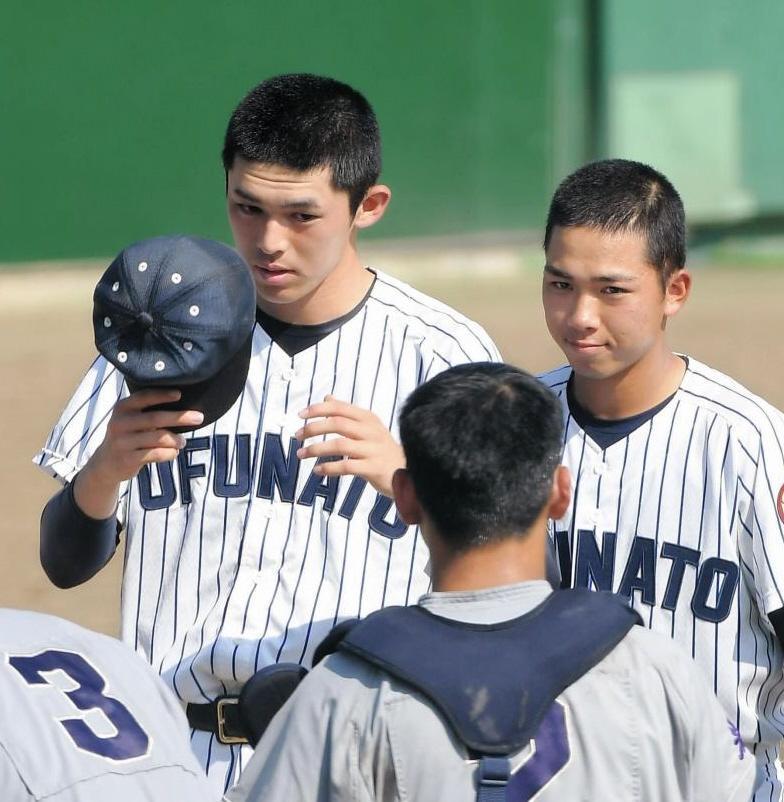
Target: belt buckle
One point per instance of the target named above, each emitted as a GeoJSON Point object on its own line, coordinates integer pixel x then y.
{"type": "Point", "coordinates": [222, 736]}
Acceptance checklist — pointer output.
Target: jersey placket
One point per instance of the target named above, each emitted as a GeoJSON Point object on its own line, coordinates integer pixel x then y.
{"type": "Point", "coordinates": [590, 531]}
{"type": "Point", "coordinates": [265, 527]}
{"type": "Point", "coordinates": [587, 512]}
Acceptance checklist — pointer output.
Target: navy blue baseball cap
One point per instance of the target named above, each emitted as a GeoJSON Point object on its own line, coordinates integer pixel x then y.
{"type": "Point", "coordinates": [178, 312]}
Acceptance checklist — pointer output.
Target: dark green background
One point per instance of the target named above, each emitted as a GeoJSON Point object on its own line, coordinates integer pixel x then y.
{"type": "Point", "coordinates": [114, 113]}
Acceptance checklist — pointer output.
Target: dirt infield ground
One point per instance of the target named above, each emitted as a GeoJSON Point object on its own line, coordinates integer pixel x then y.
{"type": "Point", "coordinates": [733, 321]}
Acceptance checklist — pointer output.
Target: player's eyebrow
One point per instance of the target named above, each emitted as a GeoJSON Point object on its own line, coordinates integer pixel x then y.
{"type": "Point", "coordinates": [300, 203]}
{"type": "Point", "coordinates": [245, 195]}
{"type": "Point", "coordinates": [608, 278]}
{"type": "Point", "coordinates": [310, 204]}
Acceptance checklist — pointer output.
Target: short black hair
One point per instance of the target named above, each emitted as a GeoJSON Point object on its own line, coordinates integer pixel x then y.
{"type": "Point", "coordinates": [303, 122]}
{"type": "Point", "coordinates": [620, 195]}
{"type": "Point", "coordinates": [482, 442]}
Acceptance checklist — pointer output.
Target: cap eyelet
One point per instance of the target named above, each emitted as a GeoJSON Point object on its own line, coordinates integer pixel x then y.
{"type": "Point", "coordinates": [194, 311]}
{"type": "Point", "coordinates": [107, 322]}
{"type": "Point", "coordinates": [142, 266]}
{"type": "Point", "coordinates": [176, 278]}
{"type": "Point", "coordinates": [188, 345]}
{"type": "Point", "coordinates": [160, 365]}
{"type": "Point", "coordinates": [122, 357]}
{"type": "Point", "coordinates": [115, 286]}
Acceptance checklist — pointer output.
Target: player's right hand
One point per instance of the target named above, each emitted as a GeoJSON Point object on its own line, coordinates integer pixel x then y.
{"type": "Point", "coordinates": [137, 436]}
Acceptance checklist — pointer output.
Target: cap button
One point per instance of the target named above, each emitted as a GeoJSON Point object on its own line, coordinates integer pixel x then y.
{"type": "Point", "coordinates": [144, 319]}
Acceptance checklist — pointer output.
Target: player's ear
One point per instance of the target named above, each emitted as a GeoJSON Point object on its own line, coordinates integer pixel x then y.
{"type": "Point", "coordinates": [406, 500]}
{"type": "Point", "coordinates": [560, 493]}
{"type": "Point", "coordinates": [676, 291]}
{"type": "Point", "coordinates": [373, 206]}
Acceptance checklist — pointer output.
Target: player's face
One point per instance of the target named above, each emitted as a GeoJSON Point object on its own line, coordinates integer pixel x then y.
{"type": "Point", "coordinates": [604, 302]}
{"type": "Point", "coordinates": [296, 232]}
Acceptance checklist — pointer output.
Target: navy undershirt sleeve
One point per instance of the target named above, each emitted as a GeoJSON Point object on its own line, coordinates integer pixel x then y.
{"type": "Point", "coordinates": [74, 547]}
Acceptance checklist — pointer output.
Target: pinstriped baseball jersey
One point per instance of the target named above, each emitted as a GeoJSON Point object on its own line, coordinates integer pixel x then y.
{"type": "Point", "coordinates": [82, 718]}
{"type": "Point", "coordinates": [237, 555]}
{"type": "Point", "coordinates": [684, 517]}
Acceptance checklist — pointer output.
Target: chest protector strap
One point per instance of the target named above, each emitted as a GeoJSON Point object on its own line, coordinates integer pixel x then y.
{"type": "Point", "coordinates": [494, 683]}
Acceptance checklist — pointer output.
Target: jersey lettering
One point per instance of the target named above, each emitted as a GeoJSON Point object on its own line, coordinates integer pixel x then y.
{"type": "Point", "coordinates": [378, 522]}
{"type": "Point", "coordinates": [278, 472]}
{"type": "Point", "coordinates": [324, 486]}
{"type": "Point", "coordinates": [129, 741]}
{"type": "Point", "coordinates": [187, 468]}
{"type": "Point", "coordinates": [725, 574]}
{"type": "Point", "coordinates": [221, 485]}
{"type": "Point", "coordinates": [640, 571]}
{"type": "Point", "coordinates": [277, 469]}
{"type": "Point", "coordinates": [351, 501]}
{"type": "Point", "coordinates": [594, 565]}
{"type": "Point", "coordinates": [716, 578]}
{"type": "Point", "coordinates": [681, 556]}
{"type": "Point", "coordinates": [167, 493]}
{"type": "Point", "coordinates": [550, 753]}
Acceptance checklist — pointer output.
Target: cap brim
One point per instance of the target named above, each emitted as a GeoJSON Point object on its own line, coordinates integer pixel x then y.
{"type": "Point", "coordinates": [213, 397]}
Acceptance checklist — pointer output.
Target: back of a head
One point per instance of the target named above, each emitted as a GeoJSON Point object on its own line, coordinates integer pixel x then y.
{"type": "Point", "coordinates": [618, 195]}
{"type": "Point", "coordinates": [304, 122]}
{"type": "Point", "coordinates": [482, 442]}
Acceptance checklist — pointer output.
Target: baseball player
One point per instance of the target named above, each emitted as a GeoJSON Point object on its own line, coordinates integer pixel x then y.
{"type": "Point", "coordinates": [678, 470]}
{"type": "Point", "coordinates": [82, 718]}
{"type": "Point", "coordinates": [248, 539]}
{"type": "Point", "coordinates": [483, 443]}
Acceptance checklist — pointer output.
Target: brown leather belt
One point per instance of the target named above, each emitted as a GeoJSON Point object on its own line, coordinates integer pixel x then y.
{"type": "Point", "coordinates": [220, 717]}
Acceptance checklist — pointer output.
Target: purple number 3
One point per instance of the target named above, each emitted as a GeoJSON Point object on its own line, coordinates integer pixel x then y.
{"type": "Point", "coordinates": [130, 740]}
{"type": "Point", "coordinates": [549, 756]}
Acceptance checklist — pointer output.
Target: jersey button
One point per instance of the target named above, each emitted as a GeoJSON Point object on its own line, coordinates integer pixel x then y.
{"type": "Point", "coordinates": [288, 374]}
{"type": "Point", "coordinates": [599, 468]}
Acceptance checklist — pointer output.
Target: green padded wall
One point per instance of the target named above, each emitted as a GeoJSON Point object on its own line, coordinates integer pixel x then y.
{"type": "Point", "coordinates": [113, 114]}
{"type": "Point", "coordinates": [695, 88]}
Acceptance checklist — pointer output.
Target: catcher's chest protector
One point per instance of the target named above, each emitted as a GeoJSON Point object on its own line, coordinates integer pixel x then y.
{"type": "Point", "coordinates": [511, 671]}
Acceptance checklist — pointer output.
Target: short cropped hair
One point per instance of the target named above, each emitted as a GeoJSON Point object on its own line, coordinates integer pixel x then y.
{"type": "Point", "coordinates": [304, 122]}
{"type": "Point", "coordinates": [482, 442]}
{"type": "Point", "coordinates": [618, 195]}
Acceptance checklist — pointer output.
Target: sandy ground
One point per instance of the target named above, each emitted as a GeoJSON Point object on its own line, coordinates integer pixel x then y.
{"type": "Point", "coordinates": [732, 321]}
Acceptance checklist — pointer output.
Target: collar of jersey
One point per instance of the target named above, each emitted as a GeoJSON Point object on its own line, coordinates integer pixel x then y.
{"type": "Point", "coordinates": [608, 432]}
{"type": "Point", "coordinates": [296, 337]}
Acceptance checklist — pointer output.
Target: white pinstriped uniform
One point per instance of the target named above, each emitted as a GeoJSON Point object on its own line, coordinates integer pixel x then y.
{"type": "Point", "coordinates": [237, 556]}
{"type": "Point", "coordinates": [684, 515]}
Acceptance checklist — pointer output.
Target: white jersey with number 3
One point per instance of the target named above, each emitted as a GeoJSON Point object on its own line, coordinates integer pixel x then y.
{"type": "Point", "coordinates": [237, 554]}
{"type": "Point", "coordinates": [83, 718]}
{"type": "Point", "coordinates": [684, 516]}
